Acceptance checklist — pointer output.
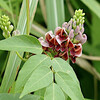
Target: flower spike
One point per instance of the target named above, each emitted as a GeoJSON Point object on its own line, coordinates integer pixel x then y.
{"type": "Point", "coordinates": [67, 41]}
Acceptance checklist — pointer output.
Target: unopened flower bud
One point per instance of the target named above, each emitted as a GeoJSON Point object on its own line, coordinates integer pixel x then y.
{"type": "Point", "coordinates": [10, 28]}
{"type": "Point", "coordinates": [77, 29]}
{"type": "Point", "coordinates": [15, 33]}
{"type": "Point", "coordinates": [71, 34]}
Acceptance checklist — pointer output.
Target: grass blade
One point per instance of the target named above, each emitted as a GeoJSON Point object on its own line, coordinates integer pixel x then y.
{"type": "Point", "coordinates": [52, 19]}
{"type": "Point", "coordinates": [93, 5]}
{"type": "Point", "coordinates": [60, 12]}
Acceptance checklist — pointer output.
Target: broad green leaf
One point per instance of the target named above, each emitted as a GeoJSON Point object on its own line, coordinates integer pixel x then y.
{"type": "Point", "coordinates": [6, 96]}
{"type": "Point", "coordinates": [93, 5]}
{"type": "Point", "coordinates": [14, 61]}
{"type": "Point", "coordinates": [61, 65]}
{"type": "Point", "coordinates": [28, 68]}
{"type": "Point", "coordinates": [40, 93]}
{"type": "Point", "coordinates": [39, 79]}
{"type": "Point", "coordinates": [21, 43]}
{"type": "Point", "coordinates": [68, 86]}
{"type": "Point", "coordinates": [53, 92]}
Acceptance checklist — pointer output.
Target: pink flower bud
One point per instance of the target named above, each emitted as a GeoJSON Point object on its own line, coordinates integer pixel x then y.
{"type": "Point", "coordinates": [71, 34]}
{"type": "Point", "coordinates": [84, 39]}
{"type": "Point", "coordinates": [77, 29]}
{"type": "Point", "coordinates": [65, 25]}
{"type": "Point", "coordinates": [79, 36]}
{"type": "Point", "coordinates": [82, 30]}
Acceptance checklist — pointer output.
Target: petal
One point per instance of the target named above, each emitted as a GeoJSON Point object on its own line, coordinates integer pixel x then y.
{"type": "Point", "coordinates": [65, 25]}
{"type": "Point", "coordinates": [57, 48]}
{"type": "Point", "coordinates": [77, 50]}
{"type": "Point", "coordinates": [73, 59]}
{"type": "Point", "coordinates": [43, 43]}
{"type": "Point", "coordinates": [49, 35]}
{"type": "Point", "coordinates": [57, 31]}
{"type": "Point", "coordinates": [64, 55]}
{"type": "Point", "coordinates": [84, 39]}
{"type": "Point", "coordinates": [82, 30]}
{"type": "Point", "coordinates": [58, 39]}
{"type": "Point", "coordinates": [70, 45]}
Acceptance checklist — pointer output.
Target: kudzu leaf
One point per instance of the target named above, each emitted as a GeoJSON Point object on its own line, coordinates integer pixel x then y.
{"type": "Point", "coordinates": [53, 92]}
{"type": "Point", "coordinates": [40, 93]}
{"type": "Point", "coordinates": [39, 79]}
{"type": "Point", "coordinates": [6, 96]}
{"type": "Point", "coordinates": [32, 63]}
{"type": "Point", "coordinates": [68, 86]}
{"type": "Point", "coordinates": [63, 66]}
{"type": "Point", "coordinates": [21, 43]}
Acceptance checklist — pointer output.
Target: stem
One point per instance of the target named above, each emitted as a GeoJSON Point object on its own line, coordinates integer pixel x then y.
{"type": "Point", "coordinates": [95, 58]}
{"type": "Point", "coordinates": [23, 59]}
{"type": "Point", "coordinates": [28, 17]}
{"type": "Point", "coordinates": [95, 89]}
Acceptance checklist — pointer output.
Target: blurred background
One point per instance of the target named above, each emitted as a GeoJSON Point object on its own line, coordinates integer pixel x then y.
{"type": "Point", "coordinates": [52, 13]}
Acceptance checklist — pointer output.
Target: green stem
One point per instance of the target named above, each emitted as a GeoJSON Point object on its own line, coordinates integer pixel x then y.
{"type": "Point", "coordinates": [28, 17]}
{"type": "Point", "coordinates": [95, 89]}
{"type": "Point", "coordinates": [23, 59]}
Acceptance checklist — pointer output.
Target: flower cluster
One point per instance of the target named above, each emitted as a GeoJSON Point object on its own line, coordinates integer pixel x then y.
{"type": "Point", "coordinates": [67, 41]}
{"type": "Point", "coordinates": [5, 26]}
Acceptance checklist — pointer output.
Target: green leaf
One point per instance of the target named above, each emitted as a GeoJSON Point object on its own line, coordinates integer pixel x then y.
{"type": "Point", "coordinates": [28, 68]}
{"type": "Point", "coordinates": [62, 65]}
{"type": "Point", "coordinates": [21, 43]}
{"type": "Point", "coordinates": [6, 96]}
{"type": "Point", "coordinates": [93, 5]}
{"type": "Point", "coordinates": [14, 61]}
{"type": "Point", "coordinates": [68, 86]}
{"type": "Point", "coordinates": [53, 92]}
{"type": "Point", "coordinates": [40, 93]}
{"type": "Point", "coordinates": [40, 78]}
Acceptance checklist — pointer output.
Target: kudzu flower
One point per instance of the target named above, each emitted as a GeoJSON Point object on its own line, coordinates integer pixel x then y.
{"type": "Point", "coordinates": [67, 41]}
{"type": "Point", "coordinates": [5, 26]}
